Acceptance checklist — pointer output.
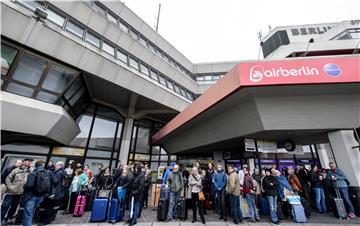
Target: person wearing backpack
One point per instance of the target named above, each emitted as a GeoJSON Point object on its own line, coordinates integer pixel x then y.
{"type": "Point", "coordinates": [14, 182]}
{"type": "Point", "coordinates": [38, 184]}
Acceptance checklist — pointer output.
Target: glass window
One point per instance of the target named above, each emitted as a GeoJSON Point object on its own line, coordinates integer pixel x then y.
{"type": "Point", "coordinates": [8, 55]}
{"type": "Point", "coordinates": [355, 34]}
{"type": "Point", "coordinates": [74, 87]}
{"type": "Point", "coordinates": [144, 69]}
{"type": "Point", "coordinates": [176, 88]}
{"type": "Point", "coordinates": [162, 80]}
{"type": "Point", "coordinates": [55, 17]}
{"type": "Point", "coordinates": [30, 69]}
{"type": "Point", "coordinates": [98, 153]}
{"type": "Point", "coordinates": [156, 150]}
{"type": "Point", "coordinates": [216, 77]}
{"type": "Point", "coordinates": [118, 136]}
{"type": "Point", "coordinates": [121, 56]}
{"type": "Point", "coordinates": [170, 84]}
{"type": "Point", "coordinates": [133, 34]}
{"type": "Point", "coordinates": [134, 63]}
{"type": "Point", "coordinates": [159, 53]}
{"type": "Point", "coordinates": [77, 96]}
{"type": "Point", "coordinates": [112, 18]}
{"type": "Point", "coordinates": [189, 96]}
{"type": "Point", "coordinates": [208, 77]}
{"type": "Point", "coordinates": [200, 78]}
{"type": "Point", "coordinates": [95, 164]}
{"type": "Point", "coordinates": [152, 47]}
{"type": "Point", "coordinates": [28, 148]}
{"type": "Point", "coordinates": [84, 122]}
{"type": "Point", "coordinates": [163, 152]}
{"type": "Point", "coordinates": [108, 48]}
{"type": "Point", "coordinates": [182, 91]}
{"type": "Point", "coordinates": [153, 75]}
{"type": "Point", "coordinates": [75, 29]}
{"type": "Point", "coordinates": [47, 97]}
{"type": "Point", "coordinates": [32, 4]}
{"type": "Point", "coordinates": [102, 135]}
{"type": "Point", "coordinates": [143, 41]}
{"type": "Point", "coordinates": [58, 79]}
{"type": "Point", "coordinates": [124, 27]}
{"type": "Point", "coordinates": [133, 138]}
{"type": "Point", "coordinates": [19, 89]}
{"type": "Point", "coordinates": [93, 39]}
{"type": "Point", "coordinates": [142, 141]}
{"type": "Point", "coordinates": [99, 9]}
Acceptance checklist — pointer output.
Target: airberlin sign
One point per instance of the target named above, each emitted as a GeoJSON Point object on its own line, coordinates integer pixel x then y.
{"type": "Point", "coordinates": [324, 70]}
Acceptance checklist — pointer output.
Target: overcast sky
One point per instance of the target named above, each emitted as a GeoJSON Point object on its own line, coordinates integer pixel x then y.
{"type": "Point", "coordinates": [226, 30]}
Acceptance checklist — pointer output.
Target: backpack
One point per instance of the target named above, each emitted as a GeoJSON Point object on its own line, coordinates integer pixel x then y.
{"type": "Point", "coordinates": [42, 183]}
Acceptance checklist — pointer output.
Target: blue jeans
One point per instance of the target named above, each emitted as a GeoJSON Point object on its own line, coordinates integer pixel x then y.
{"type": "Point", "coordinates": [134, 209]}
{"type": "Point", "coordinates": [10, 203]}
{"type": "Point", "coordinates": [320, 199]}
{"type": "Point", "coordinates": [254, 214]}
{"type": "Point", "coordinates": [272, 200]}
{"type": "Point", "coordinates": [29, 208]}
{"type": "Point", "coordinates": [174, 200]}
{"type": "Point", "coordinates": [345, 195]}
{"type": "Point", "coordinates": [235, 208]}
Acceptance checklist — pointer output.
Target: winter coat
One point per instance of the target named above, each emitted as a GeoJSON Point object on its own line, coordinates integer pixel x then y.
{"type": "Point", "coordinates": [137, 186]}
{"type": "Point", "coordinates": [257, 177]}
{"type": "Point", "coordinates": [270, 185]}
{"type": "Point", "coordinates": [59, 176]}
{"type": "Point", "coordinates": [82, 181]}
{"type": "Point", "coordinates": [220, 180]}
{"type": "Point", "coordinates": [295, 183]}
{"type": "Point", "coordinates": [315, 181]}
{"type": "Point", "coordinates": [175, 181]}
{"type": "Point", "coordinates": [283, 183]}
{"type": "Point", "coordinates": [233, 184]}
{"type": "Point", "coordinates": [6, 173]}
{"type": "Point", "coordinates": [340, 178]}
{"type": "Point", "coordinates": [104, 182]}
{"type": "Point", "coordinates": [16, 180]}
{"type": "Point", "coordinates": [248, 184]}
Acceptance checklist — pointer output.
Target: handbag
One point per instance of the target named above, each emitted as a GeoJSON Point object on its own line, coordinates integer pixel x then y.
{"type": "Point", "coordinates": [201, 196]}
{"type": "Point", "coordinates": [104, 193]}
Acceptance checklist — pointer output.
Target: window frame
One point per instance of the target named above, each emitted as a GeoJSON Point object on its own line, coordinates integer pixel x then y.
{"type": "Point", "coordinates": [88, 32]}
{"type": "Point", "coordinates": [109, 45]}
{"type": "Point", "coordinates": [76, 24]}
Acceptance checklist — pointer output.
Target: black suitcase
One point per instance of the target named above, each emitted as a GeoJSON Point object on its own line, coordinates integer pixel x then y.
{"type": "Point", "coordinates": [181, 209]}
{"type": "Point", "coordinates": [162, 210]}
{"type": "Point", "coordinates": [306, 206]}
{"type": "Point", "coordinates": [90, 197]}
{"type": "Point", "coordinates": [339, 207]}
{"type": "Point", "coordinates": [354, 193]}
{"type": "Point", "coordinates": [279, 211]}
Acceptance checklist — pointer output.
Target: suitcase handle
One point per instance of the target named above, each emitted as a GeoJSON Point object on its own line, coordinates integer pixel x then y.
{"type": "Point", "coordinates": [337, 192]}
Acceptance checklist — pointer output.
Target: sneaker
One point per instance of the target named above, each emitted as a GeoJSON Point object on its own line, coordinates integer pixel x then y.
{"type": "Point", "coordinates": [276, 222]}
{"type": "Point", "coordinates": [221, 218]}
{"type": "Point", "coordinates": [351, 215]}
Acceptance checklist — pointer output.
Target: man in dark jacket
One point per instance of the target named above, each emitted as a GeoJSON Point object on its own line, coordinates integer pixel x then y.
{"type": "Point", "coordinates": [316, 180]}
{"type": "Point", "coordinates": [220, 181]}
{"type": "Point", "coordinates": [175, 184]}
{"type": "Point", "coordinates": [35, 190]}
{"type": "Point", "coordinates": [270, 185]}
{"type": "Point", "coordinates": [137, 189]}
{"type": "Point", "coordinates": [146, 187]}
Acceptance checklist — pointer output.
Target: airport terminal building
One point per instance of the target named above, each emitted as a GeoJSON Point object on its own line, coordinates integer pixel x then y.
{"type": "Point", "coordinates": [93, 83]}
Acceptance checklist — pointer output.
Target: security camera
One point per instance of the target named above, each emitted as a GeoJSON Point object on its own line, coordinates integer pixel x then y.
{"type": "Point", "coordinates": [40, 13]}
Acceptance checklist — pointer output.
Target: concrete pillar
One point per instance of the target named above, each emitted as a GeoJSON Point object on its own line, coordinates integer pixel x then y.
{"type": "Point", "coordinates": [126, 140]}
{"type": "Point", "coordinates": [347, 158]}
{"type": "Point", "coordinates": [323, 156]}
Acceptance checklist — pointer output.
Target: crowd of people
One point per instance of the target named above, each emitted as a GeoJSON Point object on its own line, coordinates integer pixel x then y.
{"type": "Point", "coordinates": [51, 187]}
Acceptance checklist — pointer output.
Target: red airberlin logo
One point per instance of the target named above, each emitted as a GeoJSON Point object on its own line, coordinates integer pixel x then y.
{"type": "Point", "coordinates": [258, 73]}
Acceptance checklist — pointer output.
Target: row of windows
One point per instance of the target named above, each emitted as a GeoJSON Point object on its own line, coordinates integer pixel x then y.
{"type": "Point", "coordinates": [90, 37]}
{"type": "Point", "coordinates": [208, 77]}
{"type": "Point", "coordinates": [136, 35]}
{"type": "Point", "coordinates": [353, 33]}
{"type": "Point", "coordinates": [29, 75]}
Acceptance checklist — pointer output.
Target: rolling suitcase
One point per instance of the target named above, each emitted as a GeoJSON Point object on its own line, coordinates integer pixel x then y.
{"type": "Point", "coordinates": [114, 211]}
{"type": "Point", "coordinates": [79, 206]}
{"type": "Point", "coordinates": [181, 209]}
{"type": "Point", "coordinates": [99, 210]}
{"type": "Point", "coordinates": [121, 209]}
{"type": "Point", "coordinates": [339, 208]}
{"type": "Point", "coordinates": [264, 206]}
{"type": "Point", "coordinates": [279, 211]}
{"type": "Point", "coordinates": [298, 213]}
{"type": "Point", "coordinates": [306, 206]}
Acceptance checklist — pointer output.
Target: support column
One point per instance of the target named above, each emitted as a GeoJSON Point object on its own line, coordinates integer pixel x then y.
{"type": "Point", "coordinates": [347, 158]}
{"type": "Point", "coordinates": [126, 140]}
{"type": "Point", "coordinates": [323, 156]}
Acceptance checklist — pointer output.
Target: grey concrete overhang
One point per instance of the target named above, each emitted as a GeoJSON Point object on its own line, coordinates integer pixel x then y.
{"type": "Point", "coordinates": [51, 40]}
{"type": "Point", "coordinates": [29, 116]}
{"type": "Point", "coordinates": [303, 113]}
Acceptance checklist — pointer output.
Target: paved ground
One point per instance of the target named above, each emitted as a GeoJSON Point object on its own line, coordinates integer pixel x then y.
{"type": "Point", "coordinates": [148, 218]}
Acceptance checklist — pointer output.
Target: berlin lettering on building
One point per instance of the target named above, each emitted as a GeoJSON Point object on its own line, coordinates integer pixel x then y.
{"type": "Point", "coordinates": [310, 30]}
